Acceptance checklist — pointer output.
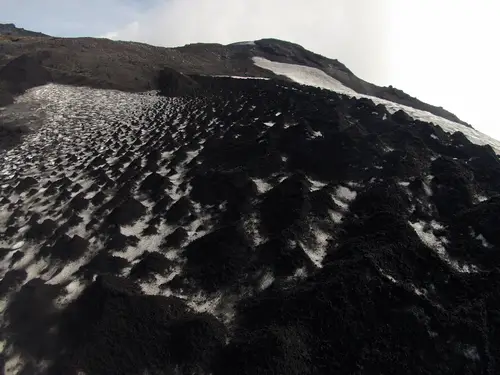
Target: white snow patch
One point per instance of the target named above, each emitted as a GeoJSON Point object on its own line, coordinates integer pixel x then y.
{"type": "Point", "coordinates": [300, 273]}
{"type": "Point", "coordinates": [68, 270]}
{"type": "Point", "coordinates": [153, 287]}
{"type": "Point", "coordinates": [262, 186]}
{"type": "Point", "coordinates": [343, 196]}
{"type": "Point", "coordinates": [316, 185]}
{"type": "Point", "coordinates": [251, 225]}
{"type": "Point", "coordinates": [481, 198]}
{"type": "Point", "coordinates": [483, 240]}
{"type": "Point", "coordinates": [387, 276]}
{"type": "Point", "coordinates": [18, 245]}
{"type": "Point", "coordinates": [470, 352]}
{"type": "Point", "coordinates": [244, 43]}
{"type": "Point", "coordinates": [13, 365]}
{"type": "Point", "coordinates": [135, 229]}
{"type": "Point", "coordinates": [304, 75]}
{"type": "Point", "coordinates": [131, 253]}
{"type": "Point", "coordinates": [345, 193]}
{"type": "Point", "coordinates": [318, 252]}
{"type": "Point", "coordinates": [242, 77]}
{"type": "Point", "coordinates": [266, 281]}
{"type": "Point", "coordinates": [427, 186]}
{"type": "Point", "coordinates": [269, 124]}
{"type": "Point", "coordinates": [336, 216]}
{"type": "Point", "coordinates": [316, 134]}
{"type": "Point", "coordinates": [35, 269]}
{"type": "Point", "coordinates": [428, 238]}
{"type": "Point", "coordinates": [73, 290]}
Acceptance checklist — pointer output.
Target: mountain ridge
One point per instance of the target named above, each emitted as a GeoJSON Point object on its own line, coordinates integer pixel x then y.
{"type": "Point", "coordinates": [12, 30]}
{"type": "Point", "coordinates": [134, 67]}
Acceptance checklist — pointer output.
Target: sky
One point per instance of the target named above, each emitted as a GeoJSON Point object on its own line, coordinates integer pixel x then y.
{"type": "Point", "coordinates": [444, 52]}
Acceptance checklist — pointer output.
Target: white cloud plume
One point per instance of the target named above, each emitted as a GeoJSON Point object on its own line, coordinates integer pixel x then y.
{"type": "Point", "coordinates": [354, 31]}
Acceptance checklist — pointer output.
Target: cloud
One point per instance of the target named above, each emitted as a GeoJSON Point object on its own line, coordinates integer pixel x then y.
{"type": "Point", "coordinates": [354, 31]}
{"type": "Point", "coordinates": [72, 17]}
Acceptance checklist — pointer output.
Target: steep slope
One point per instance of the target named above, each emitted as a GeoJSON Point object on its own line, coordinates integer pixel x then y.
{"type": "Point", "coordinates": [134, 67]}
{"type": "Point", "coordinates": [250, 226]}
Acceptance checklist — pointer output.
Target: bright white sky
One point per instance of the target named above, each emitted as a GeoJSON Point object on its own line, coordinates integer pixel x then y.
{"type": "Point", "coordinates": [445, 52]}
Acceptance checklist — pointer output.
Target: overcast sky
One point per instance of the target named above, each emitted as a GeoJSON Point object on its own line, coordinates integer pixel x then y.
{"type": "Point", "coordinates": [445, 52]}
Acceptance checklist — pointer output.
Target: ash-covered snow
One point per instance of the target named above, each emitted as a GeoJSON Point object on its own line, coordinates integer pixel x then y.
{"type": "Point", "coordinates": [257, 239]}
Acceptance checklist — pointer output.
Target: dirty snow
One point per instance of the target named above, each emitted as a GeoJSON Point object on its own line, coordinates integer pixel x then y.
{"type": "Point", "coordinates": [309, 76]}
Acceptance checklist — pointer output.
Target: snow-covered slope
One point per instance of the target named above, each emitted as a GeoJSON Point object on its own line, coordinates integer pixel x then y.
{"type": "Point", "coordinates": [306, 75]}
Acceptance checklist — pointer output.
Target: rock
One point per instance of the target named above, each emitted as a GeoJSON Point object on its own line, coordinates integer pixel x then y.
{"type": "Point", "coordinates": [284, 205]}
{"type": "Point", "coordinates": [129, 211]}
{"type": "Point", "coordinates": [218, 259]}
{"type": "Point", "coordinates": [179, 212]}
{"type": "Point", "coordinates": [24, 72]}
{"type": "Point", "coordinates": [103, 263]}
{"type": "Point", "coordinates": [173, 83]}
{"type": "Point", "coordinates": [154, 185]}
{"type": "Point", "coordinates": [11, 280]}
{"type": "Point", "coordinates": [40, 231]}
{"type": "Point", "coordinates": [25, 184]}
{"type": "Point", "coordinates": [176, 238]}
{"type": "Point", "coordinates": [149, 264]}
{"type": "Point", "coordinates": [67, 248]}
{"type": "Point", "coordinates": [93, 331]}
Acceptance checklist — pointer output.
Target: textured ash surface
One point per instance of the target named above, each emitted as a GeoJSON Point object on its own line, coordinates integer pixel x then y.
{"type": "Point", "coordinates": [259, 227]}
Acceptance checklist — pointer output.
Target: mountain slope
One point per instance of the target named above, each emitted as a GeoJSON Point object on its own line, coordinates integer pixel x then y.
{"type": "Point", "coordinates": [134, 67]}
{"type": "Point", "coordinates": [257, 227]}
{"type": "Point", "coordinates": [262, 212]}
